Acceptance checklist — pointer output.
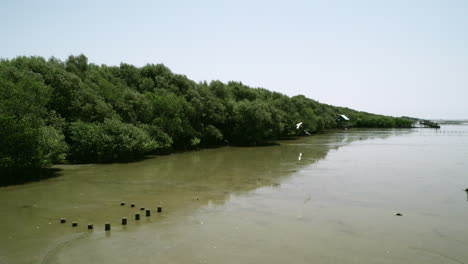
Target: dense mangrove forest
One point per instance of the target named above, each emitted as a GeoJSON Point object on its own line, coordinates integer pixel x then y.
{"type": "Point", "coordinates": [73, 111]}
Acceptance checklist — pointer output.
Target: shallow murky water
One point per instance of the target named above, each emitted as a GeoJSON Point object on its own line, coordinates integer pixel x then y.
{"type": "Point", "coordinates": [329, 198]}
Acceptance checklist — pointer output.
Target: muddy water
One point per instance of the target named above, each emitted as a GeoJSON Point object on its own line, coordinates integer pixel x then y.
{"type": "Point", "coordinates": [335, 203]}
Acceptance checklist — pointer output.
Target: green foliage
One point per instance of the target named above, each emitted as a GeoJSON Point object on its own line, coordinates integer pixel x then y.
{"type": "Point", "coordinates": [253, 123]}
{"type": "Point", "coordinates": [158, 135]}
{"type": "Point", "coordinates": [194, 142]}
{"type": "Point", "coordinates": [108, 141]}
{"type": "Point", "coordinates": [211, 136]}
{"type": "Point", "coordinates": [52, 146]}
{"type": "Point", "coordinates": [27, 137]}
{"type": "Point", "coordinates": [146, 85]}
{"type": "Point", "coordinates": [75, 111]}
{"type": "Point", "coordinates": [77, 65]}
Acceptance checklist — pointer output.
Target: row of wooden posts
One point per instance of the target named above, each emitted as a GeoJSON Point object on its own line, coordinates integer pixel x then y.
{"type": "Point", "coordinates": [107, 226]}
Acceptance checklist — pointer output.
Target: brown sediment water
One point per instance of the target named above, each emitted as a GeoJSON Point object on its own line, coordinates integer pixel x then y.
{"type": "Point", "coordinates": [328, 198]}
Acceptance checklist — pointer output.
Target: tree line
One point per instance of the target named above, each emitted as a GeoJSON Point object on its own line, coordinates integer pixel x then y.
{"type": "Point", "coordinates": [73, 111]}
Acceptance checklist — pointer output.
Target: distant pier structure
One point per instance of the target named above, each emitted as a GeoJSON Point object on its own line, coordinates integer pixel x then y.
{"type": "Point", "coordinates": [343, 121]}
{"type": "Point", "coordinates": [427, 123]}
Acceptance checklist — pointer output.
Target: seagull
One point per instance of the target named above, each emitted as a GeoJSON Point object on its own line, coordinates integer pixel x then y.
{"type": "Point", "coordinates": [298, 125]}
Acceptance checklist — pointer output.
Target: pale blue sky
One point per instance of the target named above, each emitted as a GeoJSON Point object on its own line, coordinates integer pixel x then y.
{"type": "Point", "coordinates": [395, 57]}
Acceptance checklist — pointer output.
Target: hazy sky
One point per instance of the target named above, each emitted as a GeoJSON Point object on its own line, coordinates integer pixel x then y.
{"type": "Point", "coordinates": [389, 57]}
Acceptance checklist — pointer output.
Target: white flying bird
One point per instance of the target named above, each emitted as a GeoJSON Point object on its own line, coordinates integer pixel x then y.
{"type": "Point", "coordinates": [298, 125]}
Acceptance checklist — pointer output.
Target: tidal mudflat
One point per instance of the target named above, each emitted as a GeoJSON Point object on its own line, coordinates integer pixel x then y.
{"type": "Point", "coordinates": [328, 198]}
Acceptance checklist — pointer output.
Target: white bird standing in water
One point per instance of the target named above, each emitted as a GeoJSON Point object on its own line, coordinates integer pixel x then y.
{"type": "Point", "coordinates": [300, 156]}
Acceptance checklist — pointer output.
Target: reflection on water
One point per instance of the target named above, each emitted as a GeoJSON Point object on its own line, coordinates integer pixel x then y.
{"type": "Point", "coordinates": [21, 176]}
{"type": "Point", "coordinates": [181, 183]}
{"type": "Point", "coordinates": [300, 201]}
